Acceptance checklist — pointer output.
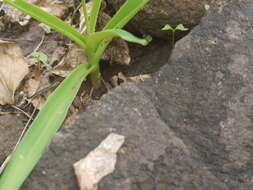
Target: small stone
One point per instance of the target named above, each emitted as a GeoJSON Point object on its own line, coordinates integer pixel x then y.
{"type": "Point", "coordinates": [99, 163]}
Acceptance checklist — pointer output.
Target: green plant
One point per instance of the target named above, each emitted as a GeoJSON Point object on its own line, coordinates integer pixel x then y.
{"type": "Point", "coordinates": [39, 56]}
{"type": "Point", "coordinates": [46, 28]}
{"type": "Point", "coordinates": [179, 27]}
{"type": "Point", "coordinates": [207, 7]}
{"type": "Point", "coordinates": [53, 113]}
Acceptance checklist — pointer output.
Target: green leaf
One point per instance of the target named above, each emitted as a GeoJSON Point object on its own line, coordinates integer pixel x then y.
{"type": "Point", "coordinates": [96, 38]}
{"type": "Point", "coordinates": [40, 56]}
{"type": "Point", "coordinates": [42, 130]}
{"type": "Point", "coordinates": [46, 28]}
{"type": "Point", "coordinates": [94, 15]}
{"type": "Point", "coordinates": [207, 7]}
{"type": "Point", "coordinates": [128, 10]}
{"type": "Point", "coordinates": [50, 20]}
{"type": "Point", "coordinates": [86, 17]}
{"type": "Point", "coordinates": [181, 27]}
{"type": "Point", "coordinates": [167, 27]}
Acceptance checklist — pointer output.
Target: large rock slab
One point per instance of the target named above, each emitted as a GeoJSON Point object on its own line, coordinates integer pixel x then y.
{"type": "Point", "coordinates": [205, 92]}
{"type": "Point", "coordinates": [157, 13]}
{"type": "Point", "coordinates": [188, 128]}
{"type": "Point", "coordinates": [151, 158]}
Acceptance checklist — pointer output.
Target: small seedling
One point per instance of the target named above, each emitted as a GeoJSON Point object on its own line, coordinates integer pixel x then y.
{"type": "Point", "coordinates": [46, 28]}
{"type": "Point", "coordinates": [207, 7]}
{"type": "Point", "coordinates": [39, 57]}
{"type": "Point", "coordinates": [179, 27]}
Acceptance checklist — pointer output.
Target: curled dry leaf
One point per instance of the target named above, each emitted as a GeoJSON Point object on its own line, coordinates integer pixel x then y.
{"type": "Point", "coordinates": [13, 68]}
{"type": "Point", "coordinates": [99, 163]}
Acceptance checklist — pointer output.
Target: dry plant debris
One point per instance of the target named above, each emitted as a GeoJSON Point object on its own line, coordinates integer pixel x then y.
{"type": "Point", "coordinates": [98, 163]}
{"type": "Point", "coordinates": [57, 8]}
{"type": "Point", "coordinates": [64, 57]}
{"type": "Point", "coordinates": [13, 68]}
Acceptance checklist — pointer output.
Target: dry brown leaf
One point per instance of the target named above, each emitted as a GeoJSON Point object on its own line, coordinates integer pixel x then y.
{"type": "Point", "coordinates": [98, 163]}
{"type": "Point", "coordinates": [56, 8]}
{"type": "Point", "coordinates": [74, 57]}
{"type": "Point", "coordinates": [32, 84]}
{"type": "Point", "coordinates": [13, 68]}
{"type": "Point", "coordinates": [37, 88]}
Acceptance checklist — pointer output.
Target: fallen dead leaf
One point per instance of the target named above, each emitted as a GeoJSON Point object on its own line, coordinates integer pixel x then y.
{"type": "Point", "coordinates": [74, 57]}
{"type": "Point", "coordinates": [37, 88]}
{"type": "Point", "coordinates": [99, 163]}
{"type": "Point", "coordinates": [13, 68]}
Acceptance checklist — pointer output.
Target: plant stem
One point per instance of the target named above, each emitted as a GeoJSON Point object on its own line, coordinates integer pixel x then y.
{"type": "Point", "coordinates": [96, 75]}
{"type": "Point", "coordinates": [86, 17]}
{"type": "Point", "coordinates": [173, 39]}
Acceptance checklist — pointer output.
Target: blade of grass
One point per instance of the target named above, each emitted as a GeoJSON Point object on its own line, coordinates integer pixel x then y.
{"type": "Point", "coordinates": [86, 17]}
{"type": "Point", "coordinates": [96, 38]}
{"type": "Point", "coordinates": [128, 10]}
{"type": "Point", "coordinates": [42, 130]}
{"type": "Point", "coordinates": [94, 15]}
{"type": "Point", "coordinates": [50, 20]}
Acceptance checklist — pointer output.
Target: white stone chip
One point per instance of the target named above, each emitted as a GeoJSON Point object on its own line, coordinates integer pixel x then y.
{"type": "Point", "coordinates": [98, 163]}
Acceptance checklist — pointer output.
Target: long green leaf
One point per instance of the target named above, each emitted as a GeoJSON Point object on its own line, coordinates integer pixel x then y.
{"type": "Point", "coordinates": [86, 16]}
{"type": "Point", "coordinates": [96, 38]}
{"type": "Point", "coordinates": [94, 14]}
{"type": "Point", "coordinates": [128, 10]}
{"type": "Point", "coordinates": [42, 130]}
{"type": "Point", "coordinates": [50, 20]}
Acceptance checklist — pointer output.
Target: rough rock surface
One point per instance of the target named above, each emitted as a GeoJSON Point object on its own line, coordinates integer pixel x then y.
{"type": "Point", "coordinates": [157, 13]}
{"type": "Point", "coordinates": [11, 128]}
{"type": "Point", "coordinates": [189, 128]}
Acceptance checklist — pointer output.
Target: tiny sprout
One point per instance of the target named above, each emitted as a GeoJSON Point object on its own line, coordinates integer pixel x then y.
{"type": "Point", "coordinates": [148, 38]}
{"type": "Point", "coordinates": [207, 7]}
{"type": "Point", "coordinates": [39, 56]}
{"type": "Point", "coordinates": [46, 28]}
{"type": "Point", "coordinates": [167, 27]}
{"type": "Point", "coordinates": [179, 27]}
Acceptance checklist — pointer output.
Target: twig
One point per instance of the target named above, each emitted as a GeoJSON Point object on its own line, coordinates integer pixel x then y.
{"type": "Point", "coordinates": [17, 108]}
{"type": "Point", "coordinates": [4, 113]}
{"type": "Point", "coordinates": [4, 163]}
{"type": "Point", "coordinates": [39, 92]}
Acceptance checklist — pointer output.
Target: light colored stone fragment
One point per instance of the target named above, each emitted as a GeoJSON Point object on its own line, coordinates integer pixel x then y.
{"type": "Point", "coordinates": [98, 163]}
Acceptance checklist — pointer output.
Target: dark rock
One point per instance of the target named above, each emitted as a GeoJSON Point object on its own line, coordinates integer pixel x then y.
{"type": "Point", "coordinates": [157, 13]}
{"type": "Point", "coordinates": [152, 156]}
{"type": "Point", "coordinates": [189, 128]}
{"type": "Point", "coordinates": [11, 128]}
{"type": "Point", "coordinates": [205, 92]}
